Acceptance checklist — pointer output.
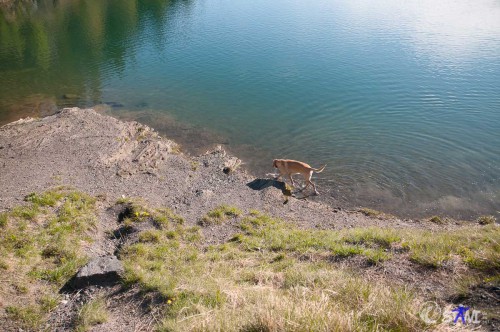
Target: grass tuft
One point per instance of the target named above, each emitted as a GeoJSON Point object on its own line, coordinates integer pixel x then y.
{"type": "Point", "coordinates": [4, 219]}
{"type": "Point", "coordinates": [49, 198]}
{"type": "Point", "coordinates": [29, 212]}
{"type": "Point", "coordinates": [370, 212]}
{"type": "Point", "coordinates": [486, 220]}
{"type": "Point", "coordinates": [164, 216]}
{"type": "Point", "coordinates": [150, 236]}
{"type": "Point", "coordinates": [30, 316]}
{"type": "Point", "coordinates": [92, 313]}
{"type": "Point", "coordinates": [220, 214]}
{"type": "Point", "coordinates": [436, 220]}
{"type": "Point", "coordinates": [477, 247]}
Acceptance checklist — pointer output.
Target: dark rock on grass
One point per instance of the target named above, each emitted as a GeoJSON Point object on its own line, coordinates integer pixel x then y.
{"type": "Point", "coordinates": [102, 271]}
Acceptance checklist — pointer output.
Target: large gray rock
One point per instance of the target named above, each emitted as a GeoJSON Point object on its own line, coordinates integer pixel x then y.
{"type": "Point", "coordinates": [101, 271]}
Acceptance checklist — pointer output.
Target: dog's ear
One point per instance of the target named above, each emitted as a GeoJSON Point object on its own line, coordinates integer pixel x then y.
{"type": "Point", "coordinates": [274, 164]}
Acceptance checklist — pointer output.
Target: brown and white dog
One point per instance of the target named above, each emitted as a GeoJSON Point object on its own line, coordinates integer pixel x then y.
{"type": "Point", "coordinates": [288, 167]}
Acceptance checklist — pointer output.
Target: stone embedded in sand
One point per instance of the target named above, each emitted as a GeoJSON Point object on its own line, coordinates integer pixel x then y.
{"type": "Point", "coordinates": [99, 271]}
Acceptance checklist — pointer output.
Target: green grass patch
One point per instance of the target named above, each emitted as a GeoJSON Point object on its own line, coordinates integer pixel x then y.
{"type": "Point", "coordinates": [164, 216]}
{"type": "Point", "coordinates": [31, 316]}
{"type": "Point", "coordinates": [135, 210]}
{"type": "Point", "coordinates": [220, 214]}
{"type": "Point", "coordinates": [151, 236]}
{"type": "Point", "coordinates": [92, 313]}
{"type": "Point", "coordinates": [477, 247]}
{"type": "Point", "coordinates": [49, 198]}
{"type": "Point", "coordinates": [40, 245]}
{"type": "Point", "coordinates": [264, 233]}
{"type": "Point", "coordinates": [372, 236]}
{"type": "Point", "coordinates": [28, 212]}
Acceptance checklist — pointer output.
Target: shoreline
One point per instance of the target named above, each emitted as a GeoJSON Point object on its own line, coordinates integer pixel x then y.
{"type": "Point", "coordinates": [127, 158]}
{"type": "Point", "coordinates": [333, 193]}
{"type": "Point", "coordinates": [197, 140]}
{"type": "Point", "coordinates": [191, 230]}
{"type": "Point", "coordinates": [37, 156]}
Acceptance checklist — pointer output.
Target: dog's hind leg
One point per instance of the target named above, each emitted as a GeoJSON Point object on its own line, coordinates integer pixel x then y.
{"type": "Point", "coordinates": [306, 181]}
{"type": "Point", "coordinates": [314, 186]}
{"type": "Point", "coordinates": [309, 182]}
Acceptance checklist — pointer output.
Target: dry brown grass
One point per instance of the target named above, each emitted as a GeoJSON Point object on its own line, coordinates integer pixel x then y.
{"type": "Point", "coordinates": [276, 277]}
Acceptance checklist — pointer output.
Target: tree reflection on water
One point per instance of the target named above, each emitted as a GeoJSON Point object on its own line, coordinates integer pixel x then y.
{"type": "Point", "coordinates": [50, 49]}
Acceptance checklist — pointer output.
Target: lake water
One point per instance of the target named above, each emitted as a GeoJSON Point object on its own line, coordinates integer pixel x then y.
{"type": "Point", "coordinates": [400, 98]}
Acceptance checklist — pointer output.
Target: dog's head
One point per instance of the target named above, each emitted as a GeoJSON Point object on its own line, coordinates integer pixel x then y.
{"type": "Point", "coordinates": [274, 163]}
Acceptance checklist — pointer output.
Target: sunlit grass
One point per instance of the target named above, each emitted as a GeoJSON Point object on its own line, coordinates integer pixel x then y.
{"type": "Point", "coordinates": [91, 313]}
{"type": "Point", "coordinates": [40, 244]}
{"type": "Point", "coordinates": [220, 214]}
{"type": "Point", "coordinates": [477, 247]}
{"type": "Point", "coordinates": [273, 276]}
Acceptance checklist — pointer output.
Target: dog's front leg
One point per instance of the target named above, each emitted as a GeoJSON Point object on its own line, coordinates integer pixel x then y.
{"type": "Point", "coordinates": [277, 177]}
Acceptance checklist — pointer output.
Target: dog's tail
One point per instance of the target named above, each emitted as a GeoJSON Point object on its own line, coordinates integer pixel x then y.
{"type": "Point", "coordinates": [319, 170]}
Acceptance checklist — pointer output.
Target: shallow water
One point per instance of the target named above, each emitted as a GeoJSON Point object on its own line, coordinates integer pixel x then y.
{"type": "Point", "coordinates": [401, 99]}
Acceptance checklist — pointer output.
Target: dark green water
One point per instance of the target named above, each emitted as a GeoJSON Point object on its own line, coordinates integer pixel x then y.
{"type": "Point", "coordinates": [400, 98]}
